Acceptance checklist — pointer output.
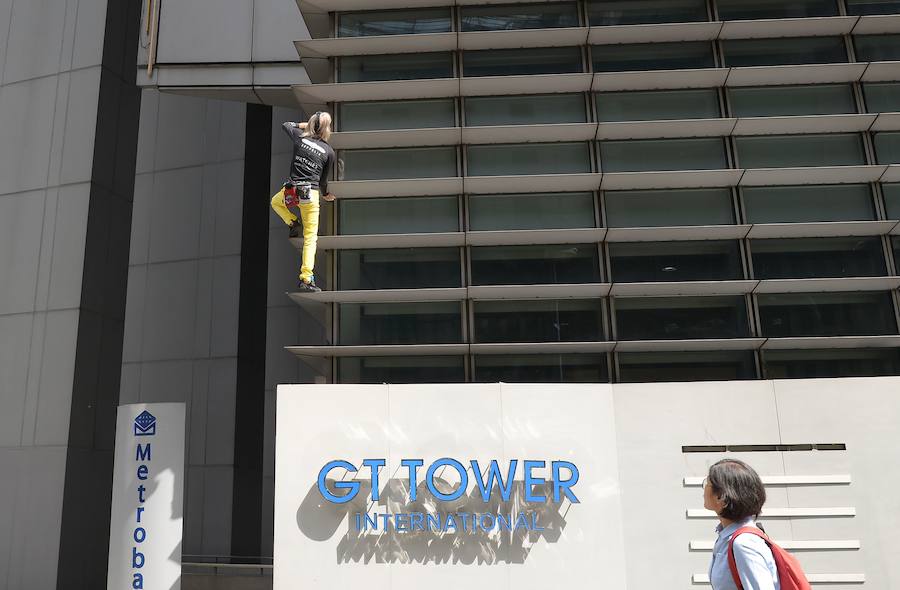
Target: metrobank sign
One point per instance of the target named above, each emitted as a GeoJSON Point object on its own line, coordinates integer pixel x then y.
{"type": "Point", "coordinates": [398, 485]}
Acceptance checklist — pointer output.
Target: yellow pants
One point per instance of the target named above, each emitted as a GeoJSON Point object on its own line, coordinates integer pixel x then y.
{"type": "Point", "coordinates": [309, 216]}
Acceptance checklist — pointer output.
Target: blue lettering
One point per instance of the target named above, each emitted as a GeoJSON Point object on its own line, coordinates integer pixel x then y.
{"type": "Point", "coordinates": [352, 486]}
{"type": "Point", "coordinates": [485, 527]}
{"type": "Point", "coordinates": [413, 465]}
{"type": "Point", "coordinates": [564, 485]}
{"type": "Point", "coordinates": [139, 535]}
{"type": "Point", "coordinates": [140, 511]}
{"type": "Point", "coordinates": [142, 472]}
{"type": "Point", "coordinates": [433, 522]}
{"type": "Point", "coordinates": [504, 521]}
{"type": "Point", "coordinates": [401, 522]}
{"type": "Point", "coordinates": [142, 453]}
{"type": "Point", "coordinates": [417, 521]}
{"type": "Point", "coordinates": [451, 521]}
{"type": "Point", "coordinates": [138, 582]}
{"type": "Point", "coordinates": [374, 465]}
{"type": "Point", "coordinates": [371, 521]}
{"type": "Point", "coordinates": [463, 479]}
{"type": "Point", "coordinates": [137, 559]}
{"type": "Point", "coordinates": [521, 522]}
{"type": "Point", "coordinates": [494, 473]}
{"type": "Point", "coordinates": [141, 490]}
{"type": "Point", "coordinates": [531, 481]}
{"type": "Point", "coordinates": [534, 523]}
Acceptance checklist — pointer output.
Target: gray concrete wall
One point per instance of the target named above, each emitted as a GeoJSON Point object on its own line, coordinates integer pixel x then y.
{"type": "Point", "coordinates": [181, 328]}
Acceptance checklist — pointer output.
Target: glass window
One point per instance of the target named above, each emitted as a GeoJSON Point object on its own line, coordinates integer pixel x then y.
{"type": "Point", "coordinates": [533, 158]}
{"type": "Point", "coordinates": [807, 204]}
{"type": "Point", "coordinates": [655, 367]}
{"type": "Point", "coordinates": [759, 9]}
{"type": "Point", "coordinates": [398, 215]}
{"type": "Point", "coordinates": [663, 154]}
{"type": "Point", "coordinates": [396, 114]}
{"type": "Point", "coordinates": [399, 268]}
{"type": "Point", "coordinates": [393, 22]}
{"type": "Point", "coordinates": [877, 47]}
{"type": "Point", "coordinates": [887, 148]}
{"type": "Point", "coordinates": [810, 364]}
{"type": "Point", "coordinates": [507, 17]}
{"type": "Point", "coordinates": [658, 105]}
{"type": "Point", "coordinates": [895, 245]}
{"type": "Point", "coordinates": [675, 261]}
{"type": "Point", "coordinates": [681, 318]}
{"type": "Point", "coordinates": [661, 208]}
{"type": "Point", "coordinates": [840, 149]}
{"type": "Point", "coordinates": [566, 320]}
{"type": "Point", "coordinates": [776, 52]}
{"type": "Point", "coordinates": [873, 7]}
{"type": "Point", "coordinates": [400, 323]}
{"type": "Point", "coordinates": [653, 56]}
{"type": "Point", "coordinates": [401, 369]}
{"type": "Point", "coordinates": [783, 101]}
{"type": "Point", "coordinates": [818, 257]}
{"type": "Point", "coordinates": [432, 162]}
{"type": "Point", "coordinates": [525, 110]}
{"type": "Point", "coordinates": [882, 97]}
{"type": "Point", "coordinates": [542, 368]}
{"type": "Point", "coordinates": [629, 12]}
{"type": "Point", "coordinates": [891, 194]}
{"type": "Point", "coordinates": [522, 62]}
{"type": "Point", "coordinates": [535, 265]}
{"type": "Point", "coordinates": [531, 211]}
{"type": "Point", "coordinates": [406, 66]}
{"type": "Point", "coordinates": [826, 314]}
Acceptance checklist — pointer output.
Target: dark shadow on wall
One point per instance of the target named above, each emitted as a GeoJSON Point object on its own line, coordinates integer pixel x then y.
{"type": "Point", "coordinates": [320, 521]}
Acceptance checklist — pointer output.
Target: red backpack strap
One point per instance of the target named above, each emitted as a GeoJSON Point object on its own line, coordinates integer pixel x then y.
{"type": "Point", "coordinates": [731, 563]}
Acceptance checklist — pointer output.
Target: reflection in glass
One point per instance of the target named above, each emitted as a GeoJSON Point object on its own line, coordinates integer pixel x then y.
{"type": "Point", "coordinates": [535, 265]}
{"type": "Point", "coordinates": [428, 162]}
{"type": "Point", "coordinates": [785, 51]}
{"type": "Point", "coordinates": [840, 362]}
{"type": "Point", "coordinates": [531, 211]}
{"type": "Point", "coordinates": [533, 158]}
{"type": "Point", "coordinates": [783, 101]}
{"type": "Point", "coordinates": [400, 323]}
{"type": "Point", "coordinates": [401, 369]}
{"type": "Point", "coordinates": [663, 154]}
{"type": "Point", "coordinates": [839, 149]}
{"type": "Point", "coordinates": [681, 318]}
{"type": "Point", "coordinates": [653, 56]}
{"type": "Point", "coordinates": [675, 261]}
{"type": "Point", "coordinates": [393, 22]}
{"type": "Point", "coordinates": [761, 9]}
{"type": "Point", "coordinates": [566, 320]}
{"type": "Point", "coordinates": [658, 105]}
{"type": "Point", "coordinates": [804, 204]}
{"type": "Point", "coordinates": [540, 109]}
{"type": "Point", "coordinates": [522, 62]}
{"type": "Point", "coordinates": [629, 12]}
{"type": "Point", "coordinates": [406, 66]}
{"type": "Point", "coordinates": [654, 367]}
{"type": "Point", "coordinates": [855, 7]}
{"type": "Point", "coordinates": [406, 215]}
{"type": "Point", "coordinates": [396, 114]}
{"type": "Point", "coordinates": [519, 16]}
{"type": "Point", "coordinates": [882, 97]}
{"type": "Point", "coordinates": [887, 148]}
{"type": "Point", "coordinates": [877, 47]}
{"type": "Point", "coordinates": [826, 314]}
{"type": "Point", "coordinates": [803, 258]}
{"type": "Point", "coordinates": [542, 368]}
{"type": "Point", "coordinates": [661, 208]}
{"type": "Point", "coordinates": [399, 268]}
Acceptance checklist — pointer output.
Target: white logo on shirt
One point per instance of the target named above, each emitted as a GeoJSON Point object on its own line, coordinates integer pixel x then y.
{"type": "Point", "coordinates": [313, 145]}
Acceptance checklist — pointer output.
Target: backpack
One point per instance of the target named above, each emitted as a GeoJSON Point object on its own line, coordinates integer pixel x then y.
{"type": "Point", "coordinates": [790, 574]}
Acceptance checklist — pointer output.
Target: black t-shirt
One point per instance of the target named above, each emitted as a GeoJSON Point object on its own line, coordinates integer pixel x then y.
{"type": "Point", "coordinates": [313, 159]}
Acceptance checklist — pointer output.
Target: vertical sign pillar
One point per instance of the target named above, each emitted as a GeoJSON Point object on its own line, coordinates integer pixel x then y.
{"type": "Point", "coordinates": [147, 498]}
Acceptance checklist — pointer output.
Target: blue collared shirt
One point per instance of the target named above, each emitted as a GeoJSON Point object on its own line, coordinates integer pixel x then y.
{"type": "Point", "coordinates": [755, 564]}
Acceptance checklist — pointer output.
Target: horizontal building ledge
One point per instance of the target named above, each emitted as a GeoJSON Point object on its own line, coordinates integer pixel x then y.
{"type": "Point", "coordinates": [892, 174]}
{"type": "Point", "coordinates": [812, 578]}
{"type": "Point", "coordinates": [786, 480]}
{"type": "Point", "coordinates": [821, 230]}
{"type": "Point", "coordinates": [877, 24]}
{"type": "Point", "coordinates": [829, 342]}
{"type": "Point", "coordinates": [834, 512]}
{"type": "Point", "coordinates": [698, 345]}
{"type": "Point", "coordinates": [536, 183]}
{"type": "Point", "coordinates": [812, 175]}
{"type": "Point", "coordinates": [836, 285]}
{"type": "Point", "coordinates": [542, 348]}
{"type": "Point", "coordinates": [616, 181]}
{"type": "Point", "coordinates": [838, 545]}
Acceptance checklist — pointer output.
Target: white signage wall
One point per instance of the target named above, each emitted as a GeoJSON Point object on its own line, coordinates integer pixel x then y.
{"type": "Point", "coordinates": [148, 487]}
{"type": "Point", "coordinates": [442, 486]}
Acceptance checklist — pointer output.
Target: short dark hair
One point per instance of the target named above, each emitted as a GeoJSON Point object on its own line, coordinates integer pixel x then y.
{"type": "Point", "coordinates": [739, 487]}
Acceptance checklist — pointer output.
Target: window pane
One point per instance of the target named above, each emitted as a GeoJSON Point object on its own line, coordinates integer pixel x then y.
{"type": "Point", "coordinates": [675, 261]}
{"type": "Point", "coordinates": [792, 100]}
{"type": "Point", "coordinates": [400, 323]}
{"type": "Point", "coordinates": [534, 265]}
{"type": "Point", "coordinates": [887, 147]}
{"type": "Point", "coordinates": [891, 194]}
{"type": "Point", "coordinates": [775, 52]}
{"type": "Point", "coordinates": [525, 110]}
{"type": "Point", "coordinates": [435, 162]}
{"type": "Point", "coordinates": [663, 208]}
{"type": "Point", "coordinates": [800, 150]}
{"type": "Point", "coordinates": [826, 314]}
{"type": "Point", "coordinates": [661, 318]}
{"type": "Point", "coordinates": [658, 105]}
{"type": "Point", "coordinates": [882, 98]}
{"type": "Point", "coordinates": [895, 245]}
{"type": "Point", "coordinates": [406, 66]}
{"type": "Point", "coordinates": [818, 257]}
{"type": "Point", "coordinates": [877, 47]}
{"type": "Point", "coordinates": [653, 367]}
{"type": "Point", "coordinates": [521, 62]}
{"type": "Point", "coordinates": [873, 7]}
{"type": "Point", "coordinates": [754, 9]}
{"type": "Point", "coordinates": [398, 215]}
{"type": "Point", "coordinates": [393, 22]}
{"type": "Point", "coordinates": [806, 204]}
{"type": "Point", "coordinates": [568, 320]}
{"type": "Point", "coordinates": [629, 12]}
{"type": "Point", "coordinates": [652, 56]}
{"type": "Point", "coordinates": [810, 364]}
{"type": "Point", "coordinates": [535, 158]}
{"type": "Point", "coordinates": [402, 369]}
{"type": "Point", "coordinates": [531, 211]}
{"type": "Point", "coordinates": [542, 368]}
{"type": "Point", "coordinates": [663, 154]}
{"type": "Point", "coordinates": [397, 114]}
{"type": "Point", "coordinates": [399, 268]}
{"type": "Point", "coordinates": [519, 16]}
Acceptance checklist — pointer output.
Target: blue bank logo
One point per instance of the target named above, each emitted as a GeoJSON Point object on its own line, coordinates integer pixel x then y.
{"type": "Point", "coordinates": [145, 424]}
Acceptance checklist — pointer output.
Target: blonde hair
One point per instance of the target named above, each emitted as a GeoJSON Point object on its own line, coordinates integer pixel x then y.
{"type": "Point", "coordinates": [319, 126]}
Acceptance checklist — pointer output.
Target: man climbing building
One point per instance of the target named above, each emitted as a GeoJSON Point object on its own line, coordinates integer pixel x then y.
{"type": "Point", "coordinates": [313, 159]}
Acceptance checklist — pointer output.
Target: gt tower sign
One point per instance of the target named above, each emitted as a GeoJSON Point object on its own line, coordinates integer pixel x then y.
{"type": "Point", "coordinates": [505, 486]}
{"type": "Point", "coordinates": [148, 483]}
